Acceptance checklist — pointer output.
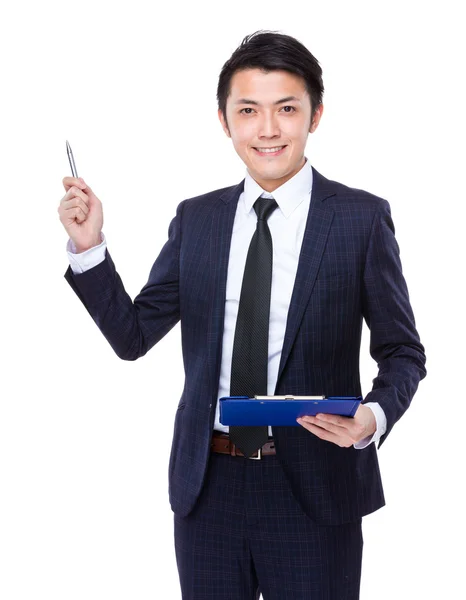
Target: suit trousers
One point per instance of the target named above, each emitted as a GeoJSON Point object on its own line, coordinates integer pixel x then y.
{"type": "Point", "coordinates": [247, 535]}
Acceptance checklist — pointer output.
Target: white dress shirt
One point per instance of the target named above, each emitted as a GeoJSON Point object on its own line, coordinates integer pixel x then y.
{"type": "Point", "coordinates": [286, 224]}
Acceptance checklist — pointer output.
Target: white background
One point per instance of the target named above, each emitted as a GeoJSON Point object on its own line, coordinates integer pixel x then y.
{"type": "Point", "coordinates": [84, 436]}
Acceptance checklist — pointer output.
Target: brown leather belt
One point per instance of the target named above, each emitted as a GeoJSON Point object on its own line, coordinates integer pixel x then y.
{"type": "Point", "coordinates": [221, 443]}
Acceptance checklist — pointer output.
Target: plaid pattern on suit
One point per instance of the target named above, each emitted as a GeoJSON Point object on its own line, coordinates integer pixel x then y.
{"type": "Point", "coordinates": [349, 269]}
{"type": "Point", "coordinates": [247, 535]}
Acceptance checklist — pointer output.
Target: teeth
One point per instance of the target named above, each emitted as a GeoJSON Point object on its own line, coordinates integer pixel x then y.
{"type": "Point", "coordinates": [270, 149]}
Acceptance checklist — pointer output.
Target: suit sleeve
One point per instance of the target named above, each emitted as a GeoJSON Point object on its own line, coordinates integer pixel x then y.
{"type": "Point", "coordinates": [132, 328]}
{"type": "Point", "coordinates": [394, 341]}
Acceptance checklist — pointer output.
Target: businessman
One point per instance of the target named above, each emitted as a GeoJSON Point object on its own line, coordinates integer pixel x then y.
{"type": "Point", "coordinates": [271, 279]}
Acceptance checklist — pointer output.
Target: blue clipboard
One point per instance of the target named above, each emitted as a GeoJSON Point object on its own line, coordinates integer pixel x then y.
{"type": "Point", "coordinates": [282, 410]}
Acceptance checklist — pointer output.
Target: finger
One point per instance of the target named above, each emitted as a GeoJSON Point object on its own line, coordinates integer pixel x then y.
{"type": "Point", "coordinates": [76, 202]}
{"type": "Point", "coordinates": [339, 440]}
{"type": "Point", "coordinates": [75, 192]}
{"type": "Point", "coordinates": [327, 425]}
{"type": "Point", "coordinates": [75, 214]}
{"type": "Point", "coordinates": [352, 426]}
{"type": "Point", "coordinates": [70, 181]}
{"type": "Point", "coordinates": [351, 434]}
{"type": "Point", "coordinates": [323, 434]}
{"type": "Point", "coordinates": [334, 419]}
{"type": "Point", "coordinates": [86, 186]}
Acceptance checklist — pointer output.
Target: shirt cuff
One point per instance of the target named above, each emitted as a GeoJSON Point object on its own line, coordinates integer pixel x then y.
{"type": "Point", "coordinates": [381, 421]}
{"type": "Point", "coordinates": [89, 258]}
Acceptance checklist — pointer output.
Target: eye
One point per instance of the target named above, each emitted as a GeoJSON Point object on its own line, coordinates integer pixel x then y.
{"type": "Point", "coordinates": [287, 106]}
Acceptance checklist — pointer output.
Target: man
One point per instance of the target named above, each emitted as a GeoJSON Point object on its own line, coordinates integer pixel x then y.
{"type": "Point", "coordinates": [271, 279]}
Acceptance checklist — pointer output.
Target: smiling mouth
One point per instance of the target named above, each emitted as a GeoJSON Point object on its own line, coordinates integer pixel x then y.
{"type": "Point", "coordinates": [272, 151]}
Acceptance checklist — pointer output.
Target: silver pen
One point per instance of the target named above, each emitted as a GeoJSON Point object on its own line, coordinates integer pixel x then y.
{"type": "Point", "coordinates": [71, 159]}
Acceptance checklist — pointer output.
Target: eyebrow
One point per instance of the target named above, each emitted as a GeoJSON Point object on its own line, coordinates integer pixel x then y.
{"type": "Point", "coordinates": [248, 101]}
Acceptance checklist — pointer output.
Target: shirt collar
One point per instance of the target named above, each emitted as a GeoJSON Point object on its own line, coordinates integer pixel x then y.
{"type": "Point", "coordinates": [288, 196]}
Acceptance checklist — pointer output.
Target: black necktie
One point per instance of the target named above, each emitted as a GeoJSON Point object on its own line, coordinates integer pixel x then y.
{"type": "Point", "coordinates": [250, 346]}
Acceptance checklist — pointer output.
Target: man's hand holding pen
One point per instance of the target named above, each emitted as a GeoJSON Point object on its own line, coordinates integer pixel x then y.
{"type": "Point", "coordinates": [81, 214]}
{"type": "Point", "coordinates": [343, 431]}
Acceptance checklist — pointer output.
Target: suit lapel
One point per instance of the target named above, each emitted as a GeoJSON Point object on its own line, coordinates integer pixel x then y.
{"type": "Point", "coordinates": [319, 220]}
{"type": "Point", "coordinates": [223, 216]}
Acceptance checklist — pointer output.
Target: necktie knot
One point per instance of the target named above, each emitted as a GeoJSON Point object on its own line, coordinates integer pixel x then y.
{"type": "Point", "coordinates": [264, 207]}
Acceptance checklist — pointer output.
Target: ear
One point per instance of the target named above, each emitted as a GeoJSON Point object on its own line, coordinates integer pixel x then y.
{"type": "Point", "coordinates": [223, 122]}
{"type": "Point", "coordinates": [316, 119]}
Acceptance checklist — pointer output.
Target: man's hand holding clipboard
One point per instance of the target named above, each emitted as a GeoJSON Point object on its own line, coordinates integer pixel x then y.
{"type": "Point", "coordinates": [342, 420]}
{"type": "Point", "coordinates": [343, 431]}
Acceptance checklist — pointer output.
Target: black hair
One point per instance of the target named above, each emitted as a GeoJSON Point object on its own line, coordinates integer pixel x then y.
{"type": "Point", "coordinates": [272, 51]}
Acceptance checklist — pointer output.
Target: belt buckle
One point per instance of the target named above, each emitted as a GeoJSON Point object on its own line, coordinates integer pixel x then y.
{"type": "Point", "coordinates": [259, 455]}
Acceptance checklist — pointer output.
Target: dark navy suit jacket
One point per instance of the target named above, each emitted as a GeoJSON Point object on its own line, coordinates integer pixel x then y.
{"type": "Point", "coordinates": [349, 269]}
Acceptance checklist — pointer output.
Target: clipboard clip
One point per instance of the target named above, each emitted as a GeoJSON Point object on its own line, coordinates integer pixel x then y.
{"type": "Point", "coordinates": [289, 397]}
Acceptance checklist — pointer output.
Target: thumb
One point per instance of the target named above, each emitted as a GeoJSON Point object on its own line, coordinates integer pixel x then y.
{"type": "Point", "coordinates": [82, 181]}
{"type": "Point", "coordinates": [87, 189]}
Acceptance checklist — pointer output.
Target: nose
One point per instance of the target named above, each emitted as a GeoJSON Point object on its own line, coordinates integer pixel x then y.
{"type": "Point", "coordinates": [268, 127]}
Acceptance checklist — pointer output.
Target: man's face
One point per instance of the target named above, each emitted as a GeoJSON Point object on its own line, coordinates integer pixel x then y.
{"type": "Point", "coordinates": [257, 120]}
